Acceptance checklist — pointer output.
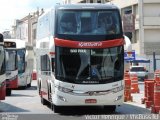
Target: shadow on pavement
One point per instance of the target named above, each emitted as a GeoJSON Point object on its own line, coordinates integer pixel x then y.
{"type": "Point", "coordinates": [5, 107]}
{"type": "Point", "coordinates": [123, 109]}
{"type": "Point", "coordinates": [21, 95]}
{"type": "Point", "coordinates": [86, 110]}
{"type": "Point", "coordinates": [27, 88]}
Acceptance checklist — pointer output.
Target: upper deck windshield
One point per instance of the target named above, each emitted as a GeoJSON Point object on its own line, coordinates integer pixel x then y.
{"type": "Point", "coordinates": [21, 61]}
{"type": "Point", "coordinates": [11, 62]}
{"type": "Point", "coordinates": [2, 65]}
{"type": "Point", "coordinates": [88, 22]}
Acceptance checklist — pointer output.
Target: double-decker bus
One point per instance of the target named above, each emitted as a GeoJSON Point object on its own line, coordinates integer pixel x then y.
{"type": "Point", "coordinates": [80, 56]}
{"type": "Point", "coordinates": [2, 70]}
{"type": "Point", "coordinates": [11, 66]}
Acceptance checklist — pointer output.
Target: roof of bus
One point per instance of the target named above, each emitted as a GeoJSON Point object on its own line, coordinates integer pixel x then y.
{"type": "Point", "coordinates": [86, 6]}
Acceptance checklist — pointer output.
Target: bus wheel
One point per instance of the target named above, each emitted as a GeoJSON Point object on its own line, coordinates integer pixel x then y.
{"type": "Point", "coordinates": [8, 92]}
{"type": "Point", "coordinates": [43, 101]}
{"type": "Point", "coordinates": [111, 108]}
{"type": "Point", "coordinates": [39, 88]}
{"type": "Point", "coordinates": [29, 85]}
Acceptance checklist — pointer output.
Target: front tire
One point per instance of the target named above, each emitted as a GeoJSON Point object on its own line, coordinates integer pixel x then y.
{"type": "Point", "coordinates": [43, 101]}
{"type": "Point", "coordinates": [8, 92]}
{"type": "Point", "coordinates": [29, 85]}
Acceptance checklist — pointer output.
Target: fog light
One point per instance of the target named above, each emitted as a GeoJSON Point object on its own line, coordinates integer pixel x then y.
{"type": "Point", "coordinates": [119, 97]}
{"type": "Point", "coordinates": [62, 98]}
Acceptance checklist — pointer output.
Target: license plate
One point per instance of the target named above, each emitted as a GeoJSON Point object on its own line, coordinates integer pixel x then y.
{"type": "Point", "coordinates": [90, 101]}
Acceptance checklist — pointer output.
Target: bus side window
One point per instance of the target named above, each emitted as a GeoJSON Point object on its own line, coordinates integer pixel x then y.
{"type": "Point", "coordinates": [45, 65]}
{"type": "Point", "coordinates": [68, 23]}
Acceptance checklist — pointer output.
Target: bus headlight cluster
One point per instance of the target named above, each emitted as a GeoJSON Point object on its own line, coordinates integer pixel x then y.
{"type": "Point", "coordinates": [62, 98]}
{"type": "Point", "coordinates": [117, 89]}
{"type": "Point", "coordinates": [65, 90]}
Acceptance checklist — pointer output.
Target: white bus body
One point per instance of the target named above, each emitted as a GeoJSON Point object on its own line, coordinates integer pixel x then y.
{"type": "Point", "coordinates": [65, 67]}
{"type": "Point", "coordinates": [25, 62]}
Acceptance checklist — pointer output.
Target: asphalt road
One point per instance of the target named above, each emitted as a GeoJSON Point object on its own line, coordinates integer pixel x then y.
{"type": "Point", "coordinates": [27, 102]}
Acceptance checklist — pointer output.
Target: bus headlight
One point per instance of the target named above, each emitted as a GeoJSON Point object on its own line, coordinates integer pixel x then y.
{"type": "Point", "coordinates": [65, 90]}
{"type": "Point", "coordinates": [117, 89]}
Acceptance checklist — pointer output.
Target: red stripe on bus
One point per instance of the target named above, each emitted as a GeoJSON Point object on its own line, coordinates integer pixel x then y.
{"type": "Point", "coordinates": [52, 53]}
{"type": "Point", "coordinates": [96, 44]}
{"type": "Point", "coordinates": [12, 83]}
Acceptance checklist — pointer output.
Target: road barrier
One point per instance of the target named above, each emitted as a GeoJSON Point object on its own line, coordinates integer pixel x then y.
{"type": "Point", "coordinates": [134, 83]}
{"type": "Point", "coordinates": [157, 76]}
{"type": "Point", "coordinates": [145, 90]}
{"type": "Point", "coordinates": [127, 88]}
{"type": "Point", "coordinates": [150, 93]}
{"type": "Point", "coordinates": [156, 105]}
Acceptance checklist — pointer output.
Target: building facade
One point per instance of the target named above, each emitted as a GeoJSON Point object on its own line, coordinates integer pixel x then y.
{"type": "Point", "coordinates": [25, 28]}
{"type": "Point", "coordinates": [146, 37]}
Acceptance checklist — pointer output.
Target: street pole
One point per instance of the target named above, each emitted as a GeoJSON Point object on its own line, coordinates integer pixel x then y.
{"type": "Point", "coordinates": [154, 61]}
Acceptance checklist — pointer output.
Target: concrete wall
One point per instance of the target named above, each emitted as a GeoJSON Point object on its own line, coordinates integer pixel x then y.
{"type": "Point", "coordinates": [152, 35]}
{"type": "Point", "coordinates": [151, 26]}
{"type": "Point", "coordinates": [151, 13]}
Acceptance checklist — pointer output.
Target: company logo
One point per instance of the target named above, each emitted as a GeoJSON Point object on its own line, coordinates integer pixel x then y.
{"type": "Point", "coordinates": [90, 44]}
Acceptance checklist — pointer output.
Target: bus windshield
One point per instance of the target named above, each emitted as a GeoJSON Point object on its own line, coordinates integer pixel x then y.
{"type": "Point", "coordinates": [89, 22]}
{"type": "Point", "coordinates": [87, 66]}
{"type": "Point", "coordinates": [11, 62]}
{"type": "Point", "coordinates": [2, 65]}
{"type": "Point", "coordinates": [21, 61]}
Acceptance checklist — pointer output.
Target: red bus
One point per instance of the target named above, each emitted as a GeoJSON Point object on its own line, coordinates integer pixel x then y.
{"type": "Point", "coordinates": [11, 66]}
{"type": "Point", "coordinates": [2, 70]}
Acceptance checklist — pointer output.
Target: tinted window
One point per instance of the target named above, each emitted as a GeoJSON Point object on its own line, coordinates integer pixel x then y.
{"type": "Point", "coordinates": [83, 25]}
{"type": "Point", "coordinates": [11, 62]}
{"type": "Point", "coordinates": [21, 61]}
{"type": "Point", "coordinates": [2, 60]}
{"type": "Point", "coordinates": [89, 65]}
{"type": "Point", "coordinates": [45, 63]}
{"type": "Point", "coordinates": [88, 22]}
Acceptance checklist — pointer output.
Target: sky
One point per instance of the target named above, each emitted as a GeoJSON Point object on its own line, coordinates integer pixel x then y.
{"type": "Point", "coordinates": [17, 9]}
